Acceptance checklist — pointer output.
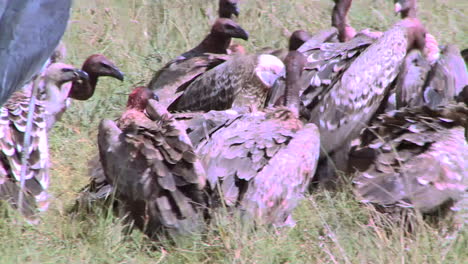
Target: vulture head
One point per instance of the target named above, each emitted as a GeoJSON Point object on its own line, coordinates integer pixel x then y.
{"type": "Point", "coordinates": [98, 65]}
{"type": "Point", "coordinates": [60, 73]}
{"type": "Point", "coordinates": [95, 66]}
{"type": "Point", "coordinates": [416, 33]}
{"type": "Point", "coordinates": [298, 38]}
{"type": "Point", "coordinates": [228, 8]}
{"type": "Point", "coordinates": [227, 28]}
{"type": "Point", "coordinates": [139, 98]}
{"type": "Point", "coordinates": [406, 8]}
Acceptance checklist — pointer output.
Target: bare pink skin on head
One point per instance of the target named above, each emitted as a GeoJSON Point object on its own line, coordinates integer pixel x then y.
{"type": "Point", "coordinates": [95, 66]}
{"type": "Point", "coordinates": [406, 8]}
{"type": "Point", "coordinates": [139, 97]}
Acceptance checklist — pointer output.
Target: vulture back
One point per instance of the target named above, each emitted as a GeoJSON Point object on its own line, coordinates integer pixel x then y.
{"type": "Point", "coordinates": [414, 158]}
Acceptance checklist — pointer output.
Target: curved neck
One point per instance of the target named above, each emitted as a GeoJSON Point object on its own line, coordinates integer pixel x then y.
{"type": "Point", "coordinates": [84, 89]}
{"type": "Point", "coordinates": [340, 17]}
{"type": "Point", "coordinates": [214, 43]}
{"type": "Point", "coordinates": [294, 64]}
{"type": "Point", "coordinates": [411, 13]}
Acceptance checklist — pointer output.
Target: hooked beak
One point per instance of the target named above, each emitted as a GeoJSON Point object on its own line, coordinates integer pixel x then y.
{"type": "Point", "coordinates": [236, 11]}
{"type": "Point", "coordinates": [116, 73]}
{"type": "Point", "coordinates": [242, 34]}
{"type": "Point", "coordinates": [82, 75]}
{"type": "Point", "coordinates": [398, 8]}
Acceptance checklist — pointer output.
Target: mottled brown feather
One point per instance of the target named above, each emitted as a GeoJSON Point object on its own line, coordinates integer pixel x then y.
{"type": "Point", "coordinates": [414, 158]}
{"type": "Point", "coordinates": [239, 83]}
{"type": "Point", "coordinates": [150, 162]}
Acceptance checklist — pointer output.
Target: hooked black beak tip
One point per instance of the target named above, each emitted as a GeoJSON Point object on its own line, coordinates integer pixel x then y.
{"type": "Point", "coordinates": [82, 74]}
{"type": "Point", "coordinates": [118, 75]}
{"type": "Point", "coordinates": [244, 35]}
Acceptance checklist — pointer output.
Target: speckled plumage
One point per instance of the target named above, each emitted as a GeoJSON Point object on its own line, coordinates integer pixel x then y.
{"type": "Point", "coordinates": [255, 160]}
{"type": "Point", "coordinates": [350, 101]}
{"type": "Point", "coordinates": [12, 128]}
{"type": "Point", "coordinates": [178, 74]}
{"type": "Point", "coordinates": [13, 117]}
{"type": "Point", "coordinates": [240, 83]}
{"type": "Point", "coordinates": [421, 82]}
{"type": "Point", "coordinates": [263, 162]}
{"type": "Point", "coordinates": [414, 158]}
{"type": "Point", "coordinates": [150, 162]}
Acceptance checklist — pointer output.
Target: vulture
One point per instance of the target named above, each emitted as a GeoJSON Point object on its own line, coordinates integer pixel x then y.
{"type": "Point", "coordinates": [406, 8]}
{"type": "Point", "coordinates": [343, 105]}
{"type": "Point", "coordinates": [212, 51]}
{"type": "Point", "coordinates": [29, 33]}
{"type": "Point", "coordinates": [240, 83]}
{"type": "Point", "coordinates": [430, 80]}
{"type": "Point", "coordinates": [98, 193]}
{"type": "Point", "coordinates": [96, 65]}
{"type": "Point", "coordinates": [228, 8]}
{"type": "Point", "coordinates": [57, 97]}
{"type": "Point", "coordinates": [150, 162]}
{"type": "Point", "coordinates": [415, 157]}
{"type": "Point", "coordinates": [12, 128]}
{"type": "Point", "coordinates": [262, 162]}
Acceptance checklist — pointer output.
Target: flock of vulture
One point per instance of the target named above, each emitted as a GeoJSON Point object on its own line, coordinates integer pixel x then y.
{"type": "Point", "coordinates": [218, 127]}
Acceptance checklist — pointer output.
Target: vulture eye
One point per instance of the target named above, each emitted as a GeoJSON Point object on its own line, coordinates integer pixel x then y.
{"type": "Point", "coordinates": [66, 70]}
{"type": "Point", "coordinates": [155, 97]}
{"type": "Point", "coordinates": [105, 65]}
{"type": "Point", "coordinates": [230, 27]}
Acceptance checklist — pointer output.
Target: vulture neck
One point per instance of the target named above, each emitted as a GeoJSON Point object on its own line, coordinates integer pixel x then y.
{"type": "Point", "coordinates": [409, 13]}
{"type": "Point", "coordinates": [57, 93]}
{"type": "Point", "coordinates": [214, 43]}
{"type": "Point", "coordinates": [340, 17]}
{"type": "Point", "coordinates": [84, 89]}
{"type": "Point", "coordinates": [294, 65]}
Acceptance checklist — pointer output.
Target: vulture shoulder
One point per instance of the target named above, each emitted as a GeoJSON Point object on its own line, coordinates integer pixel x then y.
{"type": "Point", "coordinates": [414, 158]}
{"type": "Point", "coordinates": [151, 163]}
